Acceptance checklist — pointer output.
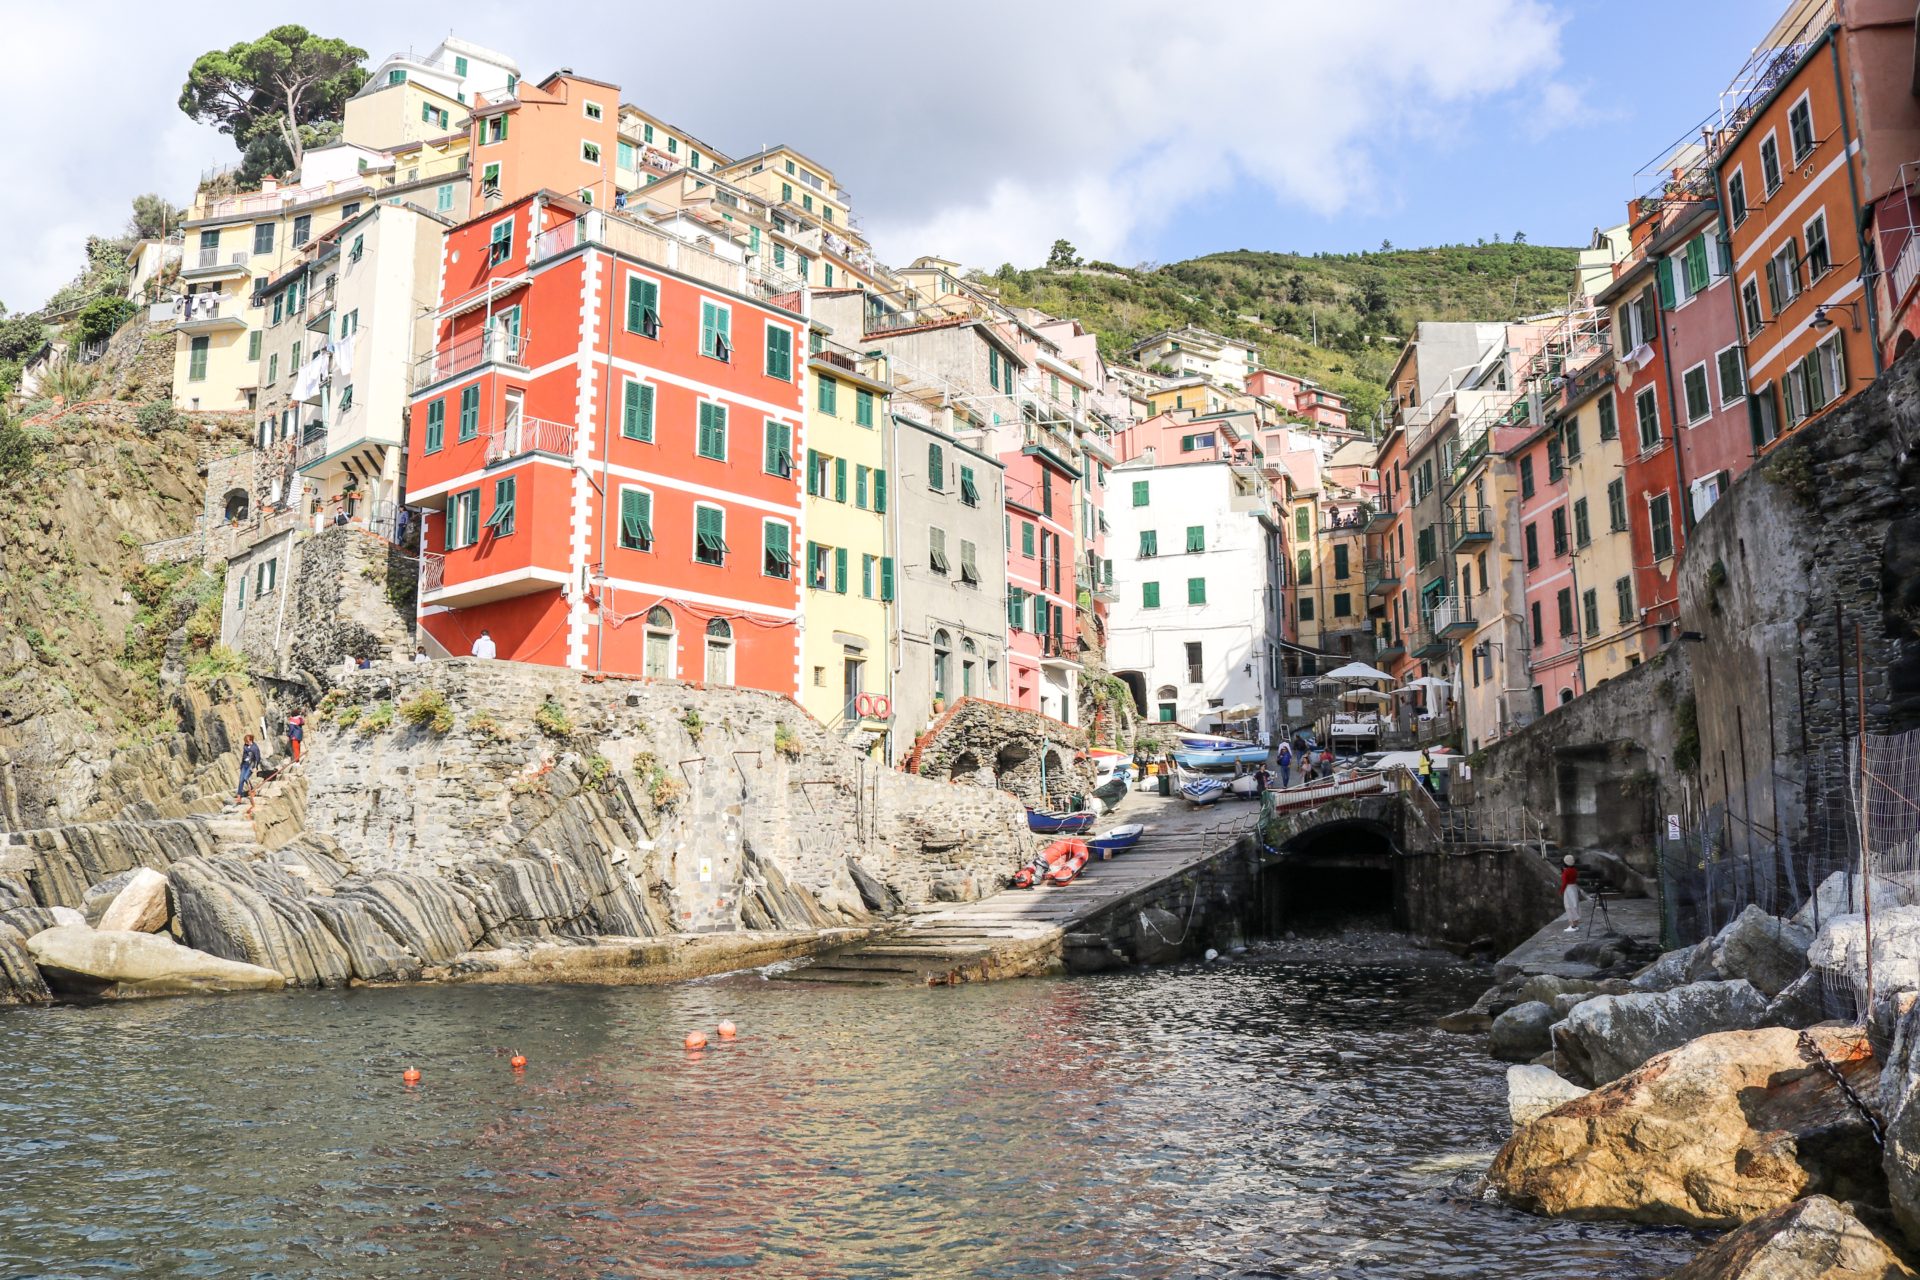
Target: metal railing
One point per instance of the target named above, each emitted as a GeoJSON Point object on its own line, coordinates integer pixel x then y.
{"type": "Point", "coordinates": [529, 435]}
{"type": "Point", "coordinates": [196, 307]}
{"type": "Point", "coordinates": [209, 259]}
{"type": "Point", "coordinates": [311, 450]}
{"type": "Point", "coordinates": [1470, 522]}
{"type": "Point", "coordinates": [433, 572]}
{"type": "Point", "coordinates": [490, 346]}
{"type": "Point", "coordinates": [1449, 611]}
{"type": "Point", "coordinates": [608, 231]}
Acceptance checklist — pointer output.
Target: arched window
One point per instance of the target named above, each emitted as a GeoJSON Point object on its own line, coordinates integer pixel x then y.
{"type": "Point", "coordinates": [719, 652]}
{"type": "Point", "coordinates": [969, 662]}
{"type": "Point", "coordinates": [942, 660]}
{"type": "Point", "coordinates": [659, 643]}
{"type": "Point", "coordinates": [234, 505]}
{"type": "Point", "coordinates": [1566, 696]}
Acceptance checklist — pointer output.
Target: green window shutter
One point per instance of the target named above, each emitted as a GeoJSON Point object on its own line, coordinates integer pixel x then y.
{"type": "Point", "coordinates": [863, 407]}
{"type": "Point", "coordinates": [860, 475]}
{"type": "Point", "coordinates": [436, 424]}
{"type": "Point", "coordinates": [813, 558]}
{"type": "Point", "coordinates": [1139, 493]}
{"type": "Point", "coordinates": [501, 521]}
{"type": "Point", "coordinates": [839, 479]}
{"type": "Point", "coordinates": [716, 335]}
{"type": "Point", "coordinates": [1302, 523]}
{"type": "Point", "coordinates": [828, 395]}
{"type": "Point", "coordinates": [636, 519]}
{"type": "Point", "coordinates": [253, 345]}
{"type": "Point", "coordinates": [1196, 590]}
{"type": "Point", "coordinates": [1026, 538]}
{"type": "Point", "coordinates": [1016, 608]}
{"type": "Point", "coordinates": [886, 577]}
{"type": "Point", "coordinates": [779, 449]}
{"type": "Point", "coordinates": [840, 570]}
{"type": "Point", "coordinates": [813, 473]}
{"type": "Point", "coordinates": [713, 432]}
{"type": "Point", "coordinates": [1149, 543]}
{"type": "Point", "coordinates": [1663, 272]}
{"type": "Point", "coordinates": [936, 468]}
{"type": "Point", "coordinates": [778, 560]}
{"type": "Point", "coordinates": [643, 305]}
{"type": "Point", "coordinates": [197, 359]}
{"type": "Point", "coordinates": [779, 353]}
{"type": "Point", "coordinates": [469, 412]}
{"type": "Point", "coordinates": [1149, 595]}
{"type": "Point", "coordinates": [709, 533]}
{"type": "Point", "coordinates": [1697, 264]}
{"type": "Point", "coordinates": [636, 415]}
{"type": "Point", "coordinates": [1197, 538]}
{"type": "Point", "coordinates": [866, 576]}
{"type": "Point", "coordinates": [880, 492]}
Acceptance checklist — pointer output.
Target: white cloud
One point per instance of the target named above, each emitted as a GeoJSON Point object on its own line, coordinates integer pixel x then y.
{"type": "Point", "coordinates": [980, 132]}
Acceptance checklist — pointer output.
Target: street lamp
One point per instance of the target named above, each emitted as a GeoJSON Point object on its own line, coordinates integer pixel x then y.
{"type": "Point", "coordinates": [1821, 320]}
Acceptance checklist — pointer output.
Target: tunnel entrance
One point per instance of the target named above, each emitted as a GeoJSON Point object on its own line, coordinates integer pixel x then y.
{"type": "Point", "coordinates": [1332, 880]}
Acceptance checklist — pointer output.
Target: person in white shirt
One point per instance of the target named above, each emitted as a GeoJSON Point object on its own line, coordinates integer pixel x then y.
{"type": "Point", "coordinates": [483, 647]}
{"type": "Point", "coordinates": [420, 655]}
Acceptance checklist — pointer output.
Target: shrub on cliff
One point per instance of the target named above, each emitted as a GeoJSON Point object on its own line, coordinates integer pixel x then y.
{"type": "Point", "coordinates": [428, 709]}
{"type": "Point", "coordinates": [381, 717]}
{"type": "Point", "coordinates": [216, 662]}
{"type": "Point", "coordinates": [552, 719]}
{"type": "Point", "coordinates": [483, 725]}
{"type": "Point", "coordinates": [787, 742]}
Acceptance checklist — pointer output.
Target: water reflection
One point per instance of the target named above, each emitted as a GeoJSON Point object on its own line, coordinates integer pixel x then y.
{"type": "Point", "coordinates": [1274, 1117]}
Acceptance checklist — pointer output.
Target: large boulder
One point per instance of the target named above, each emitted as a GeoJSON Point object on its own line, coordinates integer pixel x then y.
{"type": "Point", "coordinates": [1534, 1090]}
{"type": "Point", "coordinates": [371, 950]}
{"type": "Point", "coordinates": [1522, 1033]}
{"type": "Point", "coordinates": [77, 960]}
{"type": "Point", "coordinates": [1899, 1102]}
{"type": "Point", "coordinates": [20, 979]}
{"type": "Point", "coordinates": [255, 912]}
{"type": "Point", "coordinates": [1712, 1134]}
{"type": "Point", "coordinates": [1817, 1238]}
{"type": "Point", "coordinates": [1608, 1036]}
{"type": "Point", "coordinates": [1546, 987]}
{"type": "Point", "coordinates": [428, 917]}
{"type": "Point", "coordinates": [1765, 950]}
{"type": "Point", "coordinates": [1839, 951]}
{"type": "Point", "coordinates": [1677, 969]}
{"type": "Point", "coordinates": [1844, 894]}
{"type": "Point", "coordinates": [100, 896]}
{"type": "Point", "coordinates": [140, 906]}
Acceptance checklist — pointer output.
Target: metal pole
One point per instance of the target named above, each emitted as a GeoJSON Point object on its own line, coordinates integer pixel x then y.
{"type": "Point", "coordinates": [1783, 867]}
{"type": "Point", "coordinates": [1746, 785]}
{"type": "Point", "coordinates": [1866, 873]}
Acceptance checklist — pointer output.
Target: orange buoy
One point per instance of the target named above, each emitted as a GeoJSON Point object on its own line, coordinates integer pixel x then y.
{"type": "Point", "coordinates": [519, 1062]}
{"type": "Point", "coordinates": [410, 1077]}
{"type": "Point", "coordinates": [727, 1029]}
{"type": "Point", "coordinates": [696, 1040]}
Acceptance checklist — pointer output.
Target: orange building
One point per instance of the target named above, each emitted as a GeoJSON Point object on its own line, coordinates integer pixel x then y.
{"type": "Point", "coordinates": [562, 134]}
{"type": "Point", "coordinates": [603, 441]}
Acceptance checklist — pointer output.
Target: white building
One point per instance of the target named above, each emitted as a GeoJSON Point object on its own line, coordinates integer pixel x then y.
{"type": "Point", "coordinates": [457, 68]}
{"type": "Point", "coordinates": [1196, 629]}
{"type": "Point", "coordinates": [1198, 351]}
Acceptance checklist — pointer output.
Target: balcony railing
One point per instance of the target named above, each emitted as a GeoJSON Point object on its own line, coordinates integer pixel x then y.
{"type": "Point", "coordinates": [311, 450]}
{"type": "Point", "coordinates": [208, 310]}
{"type": "Point", "coordinates": [490, 346]}
{"type": "Point", "coordinates": [219, 260]}
{"type": "Point", "coordinates": [1380, 515]}
{"type": "Point", "coordinates": [1906, 268]}
{"type": "Point", "coordinates": [1382, 575]}
{"type": "Point", "coordinates": [598, 227]}
{"type": "Point", "coordinates": [1471, 524]}
{"type": "Point", "coordinates": [529, 435]}
{"type": "Point", "coordinates": [433, 572]}
{"type": "Point", "coordinates": [318, 305]}
{"type": "Point", "coordinates": [1451, 616]}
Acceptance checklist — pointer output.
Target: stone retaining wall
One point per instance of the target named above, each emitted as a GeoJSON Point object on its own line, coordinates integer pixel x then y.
{"type": "Point", "coordinates": [991, 744]}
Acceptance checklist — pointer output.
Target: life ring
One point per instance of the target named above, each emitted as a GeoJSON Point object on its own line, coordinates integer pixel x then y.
{"type": "Point", "coordinates": [882, 707]}
{"type": "Point", "coordinates": [863, 706]}
{"type": "Point", "coordinates": [873, 706]}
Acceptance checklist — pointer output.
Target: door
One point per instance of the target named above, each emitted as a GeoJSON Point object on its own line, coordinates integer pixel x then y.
{"type": "Point", "coordinates": [659, 663]}
{"type": "Point", "coordinates": [852, 677]}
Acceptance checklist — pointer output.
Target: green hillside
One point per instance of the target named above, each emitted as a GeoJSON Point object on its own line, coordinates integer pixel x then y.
{"type": "Point", "coordinates": [1337, 318]}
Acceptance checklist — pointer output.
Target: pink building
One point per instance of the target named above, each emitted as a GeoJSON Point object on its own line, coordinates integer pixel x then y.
{"type": "Point", "coordinates": [1704, 363]}
{"type": "Point", "coordinates": [1552, 623]}
{"type": "Point", "coordinates": [1042, 553]}
{"type": "Point", "coordinates": [1181, 436]}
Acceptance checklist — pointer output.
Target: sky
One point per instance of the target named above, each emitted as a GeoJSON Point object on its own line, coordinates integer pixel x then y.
{"type": "Point", "coordinates": [1141, 132]}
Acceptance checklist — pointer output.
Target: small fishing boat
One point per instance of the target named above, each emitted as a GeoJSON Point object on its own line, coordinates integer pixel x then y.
{"type": "Point", "coordinates": [1055, 854]}
{"type": "Point", "coordinates": [1068, 867]}
{"type": "Point", "coordinates": [1202, 789]}
{"type": "Point", "coordinates": [1059, 824]}
{"type": "Point", "coordinates": [1111, 791]}
{"type": "Point", "coordinates": [1220, 759]}
{"type": "Point", "coordinates": [1206, 741]}
{"type": "Point", "coordinates": [1247, 784]}
{"type": "Point", "coordinates": [1308, 794]}
{"type": "Point", "coordinates": [1114, 839]}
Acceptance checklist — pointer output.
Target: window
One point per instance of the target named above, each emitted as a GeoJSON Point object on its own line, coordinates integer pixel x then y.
{"type": "Point", "coordinates": [493, 129]}
{"type": "Point", "coordinates": [936, 468]}
{"type": "Point", "coordinates": [712, 442]}
{"type": "Point", "coordinates": [1526, 477]}
{"type": "Point", "coordinates": [1140, 493]}
{"type": "Point", "coordinates": [1660, 520]}
{"type": "Point", "coordinates": [1149, 595]}
{"type": "Point", "coordinates": [1623, 598]}
{"type": "Point", "coordinates": [1570, 435]}
{"type": "Point", "coordinates": [937, 551]}
{"type": "Point", "coordinates": [1554, 467]}
{"type": "Point", "coordinates": [1303, 568]}
{"type": "Point", "coordinates": [1149, 543]}
{"type": "Point", "coordinates": [1559, 518]}
{"type": "Point", "coordinates": [969, 564]}
{"type": "Point", "coordinates": [1532, 535]}
{"type": "Point", "coordinates": [1733, 376]}
{"type": "Point", "coordinates": [778, 455]}
{"type": "Point", "coordinates": [1196, 590]}
{"type": "Point", "coordinates": [263, 238]}
{"type": "Point", "coordinates": [716, 330]}
{"type": "Point", "coordinates": [1426, 546]}
{"type": "Point", "coordinates": [636, 410]}
{"type": "Point", "coordinates": [1646, 409]}
{"type": "Point", "coordinates": [819, 566]}
{"type": "Point", "coordinates": [1590, 610]}
{"type": "Point", "coordinates": [490, 177]}
{"type": "Point", "coordinates": [863, 410]}
{"type": "Point", "coordinates": [818, 466]}
{"type": "Point", "coordinates": [1699, 399]}
{"type": "Point", "coordinates": [776, 552]}
{"type": "Point", "coordinates": [636, 519]}
{"type": "Point", "coordinates": [709, 535]}
{"type": "Point", "coordinates": [1609, 425]}
{"type": "Point", "coordinates": [469, 412]}
{"type": "Point", "coordinates": [1783, 275]}
{"type": "Point", "coordinates": [592, 109]}
{"type": "Point", "coordinates": [1582, 527]}
{"type": "Point", "coordinates": [643, 311]}
{"type": "Point", "coordinates": [1563, 602]}
{"type": "Point", "coordinates": [1195, 666]}
{"type": "Point", "coordinates": [302, 229]}
{"type": "Point", "coordinates": [501, 521]}
{"type": "Point", "coordinates": [1306, 608]}
{"type": "Point", "coordinates": [1800, 128]}
{"type": "Point", "coordinates": [1695, 273]}
{"type": "Point", "coordinates": [1016, 609]}
{"type": "Point", "coordinates": [273, 367]}
{"type": "Point", "coordinates": [1302, 524]}
{"type": "Point", "coordinates": [624, 154]}
{"type": "Point", "coordinates": [839, 479]}
{"type": "Point", "coordinates": [1539, 630]}
{"type": "Point", "coordinates": [827, 395]}
{"type": "Point", "coordinates": [1819, 257]}
{"type": "Point", "coordinates": [969, 491]}
{"type": "Point", "coordinates": [1197, 538]}
{"type": "Point", "coordinates": [1617, 505]}
{"type": "Point", "coordinates": [1737, 197]}
{"type": "Point", "coordinates": [869, 565]}
{"type": "Point", "coordinates": [861, 486]}
{"type": "Point", "coordinates": [1770, 163]}
{"type": "Point", "coordinates": [880, 491]}
{"type": "Point", "coordinates": [463, 519]}
{"type": "Point", "coordinates": [197, 360]}
{"type": "Point", "coordinates": [500, 243]}
{"type": "Point", "coordinates": [436, 424]}
{"type": "Point", "coordinates": [1341, 561]}
{"type": "Point", "coordinates": [1026, 538]}
{"type": "Point", "coordinates": [267, 576]}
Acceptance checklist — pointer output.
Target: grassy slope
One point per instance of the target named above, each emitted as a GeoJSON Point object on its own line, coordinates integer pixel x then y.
{"type": "Point", "coordinates": [1363, 305]}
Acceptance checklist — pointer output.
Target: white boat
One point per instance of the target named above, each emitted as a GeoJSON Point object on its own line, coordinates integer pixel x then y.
{"type": "Point", "coordinates": [1247, 784]}
{"type": "Point", "coordinates": [1308, 794]}
{"type": "Point", "coordinates": [1201, 789]}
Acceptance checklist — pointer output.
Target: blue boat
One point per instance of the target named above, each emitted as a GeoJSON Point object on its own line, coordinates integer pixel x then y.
{"type": "Point", "coordinates": [1121, 837]}
{"type": "Point", "coordinates": [1059, 824]}
{"type": "Point", "coordinates": [1200, 789]}
{"type": "Point", "coordinates": [1218, 759]}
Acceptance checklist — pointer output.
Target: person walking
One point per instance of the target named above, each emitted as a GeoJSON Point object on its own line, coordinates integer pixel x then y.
{"type": "Point", "coordinates": [1570, 893]}
{"type": "Point", "coordinates": [1425, 768]}
{"type": "Point", "coordinates": [483, 647]}
{"type": "Point", "coordinates": [296, 731]}
{"type": "Point", "coordinates": [1285, 761]}
{"type": "Point", "coordinates": [249, 765]}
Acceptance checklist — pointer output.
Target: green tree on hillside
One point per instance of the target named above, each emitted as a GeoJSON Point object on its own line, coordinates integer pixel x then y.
{"type": "Point", "coordinates": [1063, 255]}
{"type": "Point", "coordinates": [274, 94]}
{"type": "Point", "coordinates": [153, 217]}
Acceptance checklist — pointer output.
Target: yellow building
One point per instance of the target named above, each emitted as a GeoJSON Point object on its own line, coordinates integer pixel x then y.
{"type": "Point", "coordinates": [399, 113]}
{"type": "Point", "coordinates": [1610, 637]}
{"type": "Point", "coordinates": [1200, 395]}
{"type": "Point", "coordinates": [1487, 615]}
{"type": "Point", "coordinates": [845, 646]}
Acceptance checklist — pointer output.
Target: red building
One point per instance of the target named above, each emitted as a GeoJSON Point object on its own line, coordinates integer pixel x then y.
{"type": "Point", "coordinates": [1041, 572]}
{"type": "Point", "coordinates": [603, 441]}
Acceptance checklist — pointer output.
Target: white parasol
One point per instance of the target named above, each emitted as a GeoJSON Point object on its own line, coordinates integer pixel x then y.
{"type": "Point", "coordinates": [1356, 671]}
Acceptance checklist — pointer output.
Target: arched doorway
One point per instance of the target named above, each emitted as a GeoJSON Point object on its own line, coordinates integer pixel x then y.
{"type": "Point", "coordinates": [719, 652]}
{"type": "Point", "coordinates": [234, 507]}
{"type": "Point", "coordinates": [659, 643]}
{"type": "Point", "coordinates": [1166, 703]}
{"type": "Point", "coordinates": [942, 662]}
{"type": "Point", "coordinates": [1136, 683]}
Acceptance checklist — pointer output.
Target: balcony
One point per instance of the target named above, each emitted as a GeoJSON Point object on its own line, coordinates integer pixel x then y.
{"type": "Point", "coordinates": [1430, 646]}
{"type": "Point", "coordinates": [614, 233]}
{"type": "Point", "coordinates": [209, 313]}
{"type": "Point", "coordinates": [1380, 515]}
{"type": "Point", "coordinates": [1390, 651]}
{"type": "Point", "coordinates": [1350, 519]}
{"type": "Point", "coordinates": [1057, 651]}
{"type": "Point", "coordinates": [209, 264]}
{"type": "Point", "coordinates": [1382, 577]}
{"type": "Point", "coordinates": [490, 346]}
{"type": "Point", "coordinates": [1451, 617]}
{"type": "Point", "coordinates": [317, 310]}
{"type": "Point", "coordinates": [466, 582]}
{"type": "Point", "coordinates": [529, 435]}
{"type": "Point", "coordinates": [313, 447]}
{"type": "Point", "coordinates": [1471, 525]}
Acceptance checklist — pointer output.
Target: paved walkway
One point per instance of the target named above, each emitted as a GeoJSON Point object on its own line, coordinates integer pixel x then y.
{"type": "Point", "coordinates": [1546, 951]}
{"type": "Point", "coordinates": [1019, 931]}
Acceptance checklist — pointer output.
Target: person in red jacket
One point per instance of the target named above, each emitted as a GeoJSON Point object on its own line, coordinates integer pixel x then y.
{"type": "Point", "coordinates": [1570, 893]}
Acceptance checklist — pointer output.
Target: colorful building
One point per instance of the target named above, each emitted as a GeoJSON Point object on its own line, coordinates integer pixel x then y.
{"type": "Point", "coordinates": [558, 135]}
{"type": "Point", "coordinates": [1192, 351]}
{"type": "Point", "coordinates": [603, 441]}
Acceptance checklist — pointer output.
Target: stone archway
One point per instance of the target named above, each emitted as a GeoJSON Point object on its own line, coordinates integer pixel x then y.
{"type": "Point", "coordinates": [964, 768]}
{"type": "Point", "coordinates": [235, 506]}
{"type": "Point", "coordinates": [1136, 683]}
